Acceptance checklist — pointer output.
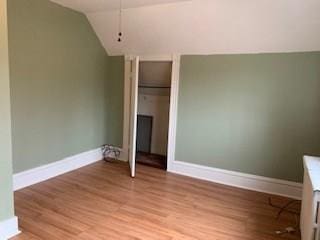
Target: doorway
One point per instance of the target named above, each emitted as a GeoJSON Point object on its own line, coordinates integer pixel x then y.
{"type": "Point", "coordinates": [150, 110]}
{"type": "Point", "coordinates": [154, 85]}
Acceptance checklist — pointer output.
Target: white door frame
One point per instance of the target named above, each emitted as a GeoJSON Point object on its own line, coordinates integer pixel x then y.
{"type": "Point", "coordinates": [175, 59]}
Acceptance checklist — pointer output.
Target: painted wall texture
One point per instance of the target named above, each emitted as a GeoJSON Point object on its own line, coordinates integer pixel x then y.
{"type": "Point", "coordinates": [115, 100]}
{"type": "Point", "coordinates": [60, 85]}
{"type": "Point", "coordinates": [256, 114]}
{"type": "Point", "coordinates": [6, 195]}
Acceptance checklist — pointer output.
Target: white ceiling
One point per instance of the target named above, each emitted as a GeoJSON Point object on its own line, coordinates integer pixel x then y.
{"type": "Point", "coordinates": [87, 6]}
{"type": "Point", "coordinates": [205, 26]}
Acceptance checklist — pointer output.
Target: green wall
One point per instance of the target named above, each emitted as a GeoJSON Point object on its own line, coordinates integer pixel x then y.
{"type": "Point", "coordinates": [6, 196]}
{"type": "Point", "coordinates": [256, 114]}
{"type": "Point", "coordinates": [115, 100]}
{"type": "Point", "coordinates": [60, 77]}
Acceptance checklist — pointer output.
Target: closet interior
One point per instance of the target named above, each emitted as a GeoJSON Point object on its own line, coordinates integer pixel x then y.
{"type": "Point", "coordinates": [153, 113]}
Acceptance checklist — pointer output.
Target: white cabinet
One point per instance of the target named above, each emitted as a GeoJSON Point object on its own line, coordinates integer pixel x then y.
{"type": "Point", "coordinates": [310, 212]}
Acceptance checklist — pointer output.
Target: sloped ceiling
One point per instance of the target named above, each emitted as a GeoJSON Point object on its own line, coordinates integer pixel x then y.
{"type": "Point", "coordinates": [88, 6]}
{"type": "Point", "coordinates": [204, 26]}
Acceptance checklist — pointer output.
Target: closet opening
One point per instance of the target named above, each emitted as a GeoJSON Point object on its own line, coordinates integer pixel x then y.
{"type": "Point", "coordinates": [154, 88]}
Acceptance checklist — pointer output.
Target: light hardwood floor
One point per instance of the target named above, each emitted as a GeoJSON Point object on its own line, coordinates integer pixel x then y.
{"type": "Point", "coordinates": [101, 201]}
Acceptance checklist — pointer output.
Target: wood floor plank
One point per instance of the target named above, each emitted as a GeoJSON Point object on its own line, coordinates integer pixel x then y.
{"type": "Point", "coordinates": [101, 201]}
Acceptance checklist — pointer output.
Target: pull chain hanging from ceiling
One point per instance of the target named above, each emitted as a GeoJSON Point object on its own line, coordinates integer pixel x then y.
{"type": "Point", "coordinates": [120, 22]}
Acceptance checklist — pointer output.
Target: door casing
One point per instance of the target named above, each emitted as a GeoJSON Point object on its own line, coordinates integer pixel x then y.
{"type": "Point", "coordinates": [175, 59]}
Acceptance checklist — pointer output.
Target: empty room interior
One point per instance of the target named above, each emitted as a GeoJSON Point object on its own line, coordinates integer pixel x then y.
{"type": "Point", "coordinates": [160, 119]}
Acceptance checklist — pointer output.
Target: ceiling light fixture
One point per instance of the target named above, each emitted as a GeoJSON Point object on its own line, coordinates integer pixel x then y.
{"type": "Point", "coordinates": [120, 22]}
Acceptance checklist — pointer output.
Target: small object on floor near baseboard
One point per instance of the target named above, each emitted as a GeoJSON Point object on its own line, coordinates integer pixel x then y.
{"type": "Point", "coordinates": [287, 230]}
{"type": "Point", "coordinates": [110, 152]}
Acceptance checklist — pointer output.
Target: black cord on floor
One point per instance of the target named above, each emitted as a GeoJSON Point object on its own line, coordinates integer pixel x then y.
{"type": "Point", "coordinates": [285, 208]}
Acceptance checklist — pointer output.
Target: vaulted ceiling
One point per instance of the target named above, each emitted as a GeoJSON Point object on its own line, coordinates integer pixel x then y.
{"type": "Point", "coordinates": [204, 26]}
{"type": "Point", "coordinates": [88, 6]}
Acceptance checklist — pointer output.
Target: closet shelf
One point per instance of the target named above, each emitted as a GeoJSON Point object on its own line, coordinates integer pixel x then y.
{"type": "Point", "coordinates": [144, 86]}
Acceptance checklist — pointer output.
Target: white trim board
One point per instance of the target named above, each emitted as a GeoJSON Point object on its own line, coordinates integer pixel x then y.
{"type": "Point", "coordinates": [237, 179]}
{"type": "Point", "coordinates": [42, 173]}
{"type": "Point", "coordinates": [9, 228]}
{"type": "Point", "coordinates": [173, 112]}
{"type": "Point", "coordinates": [175, 59]}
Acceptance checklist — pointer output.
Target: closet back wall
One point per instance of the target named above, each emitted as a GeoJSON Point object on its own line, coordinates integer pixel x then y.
{"type": "Point", "coordinates": [59, 84]}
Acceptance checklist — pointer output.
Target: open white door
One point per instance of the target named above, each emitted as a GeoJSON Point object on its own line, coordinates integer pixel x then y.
{"type": "Point", "coordinates": [134, 76]}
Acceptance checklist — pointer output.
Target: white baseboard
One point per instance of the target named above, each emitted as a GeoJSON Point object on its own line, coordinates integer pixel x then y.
{"type": "Point", "coordinates": [9, 228]}
{"type": "Point", "coordinates": [237, 179]}
{"type": "Point", "coordinates": [231, 178]}
{"type": "Point", "coordinates": [39, 174]}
